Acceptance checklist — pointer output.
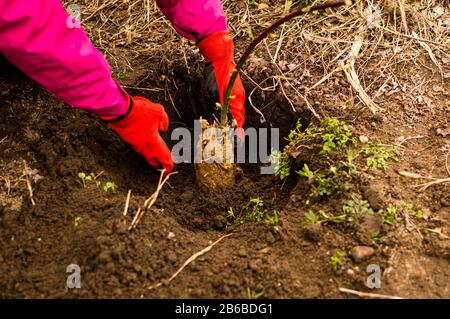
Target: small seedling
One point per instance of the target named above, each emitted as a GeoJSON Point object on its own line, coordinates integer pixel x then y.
{"type": "Point", "coordinates": [312, 218]}
{"type": "Point", "coordinates": [390, 215]}
{"type": "Point", "coordinates": [377, 155]}
{"type": "Point", "coordinates": [77, 221]}
{"type": "Point", "coordinates": [334, 181]}
{"type": "Point", "coordinates": [412, 211]}
{"type": "Point", "coordinates": [187, 291]}
{"type": "Point", "coordinates": [110, 186]}
{"type": "Point", "coordinates": [231, 215]}
{"type": "Point", "coordinates": [252, 294]}
{"type": "Point", "coordinates": [308, 173]}
{"type": "Point", "coordinates": [332, 134]}
{"type": "Point", "coordinates": [376, 235]}
{"type": "Point", "coordinates": [336, 135]}
{"type": "Point", "coordinates": [282, 164]}
{"type": "Point", "coordinates": [252, 212]}
{"type": "Point", "coordinates": [85, 178]}
{"type": "Point", "coordinates": [336, 261]}
{"type": "Point", "coordinates": [352, 210]}
{"type": "Point", "coordinates": [296, 134]}
{"type": "Point", "coordinates": [328, 218]}
{"type": "Point", "coordinates": [273, 220]}
{"type": "Point", "coordinates": [355, 208]}
{"type": "Point", "coordinates": [349, 165]}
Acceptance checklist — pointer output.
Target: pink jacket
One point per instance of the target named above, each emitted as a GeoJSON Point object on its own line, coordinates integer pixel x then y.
{"type": "Point", "coordinates": [38, 36]}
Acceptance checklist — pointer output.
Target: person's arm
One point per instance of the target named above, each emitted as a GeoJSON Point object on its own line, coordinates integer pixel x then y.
{"type": "Point", "coordinates": [194, 19]}
{"type": "Point", "coordinates": [39, 38]}
{"type": "Point", "coordinates": [204, 21]}
{"type": "Point", "coordinates": [35, 35]}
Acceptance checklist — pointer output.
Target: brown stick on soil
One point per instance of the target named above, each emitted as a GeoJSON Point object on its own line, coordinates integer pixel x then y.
{"type": "Point", "coordinates": [190, 259]}
{"type": "Point", "coordinates": [424, 186]}
{"type": "Point", "coordinates": [151, 200]}
{"type": "Point", "coordinates": [367, 294]}
{"type": "Point", "coordinates": [262, 36]}
{"type": "Point", "coordinates": [26, 172]}
{"type": "Point", "coordinates": [127, 203]}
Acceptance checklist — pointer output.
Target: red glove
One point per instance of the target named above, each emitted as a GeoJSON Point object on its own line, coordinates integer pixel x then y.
{"type": "Point", "coordinates": [218, 49]}
{"type": "Point", "coordinates": [140, 128]}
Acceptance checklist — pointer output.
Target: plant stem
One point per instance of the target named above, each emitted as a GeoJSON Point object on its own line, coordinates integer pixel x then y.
{"type": "Point", "coordinates": [262, 36]}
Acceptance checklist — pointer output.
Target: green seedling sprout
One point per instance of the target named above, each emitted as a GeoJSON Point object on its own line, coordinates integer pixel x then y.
{"type": "Point", "coordinates": [110, 186]}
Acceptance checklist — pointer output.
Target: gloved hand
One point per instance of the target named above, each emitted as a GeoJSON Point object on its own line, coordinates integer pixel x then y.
{"type": "Point", "coordinates": [140, 128]}
{"type": "Point", "coordinates": [218, 50]}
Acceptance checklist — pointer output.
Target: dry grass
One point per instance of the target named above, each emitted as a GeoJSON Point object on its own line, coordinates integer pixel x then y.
{"type": "Point", "coordinates": [295, 61]}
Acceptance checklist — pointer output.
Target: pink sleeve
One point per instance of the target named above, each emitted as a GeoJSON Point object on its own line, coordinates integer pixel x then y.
{"type": "Point", "coordinates": [39, 38]}
{"type": "Point", "coordinates": [194, 19]}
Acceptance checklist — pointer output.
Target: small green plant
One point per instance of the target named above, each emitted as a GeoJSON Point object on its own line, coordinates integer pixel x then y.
{"type": "Point", "coordinates": [297, 135]}
{"type": "Point", "coordinates": [77, 221]}
{"type": "Point", "coordinates": [376, 235]}
{"type": "Point", "coordinates": [412, 211]}
{"type": "Point", "coordinates": [357, 207]}
{"type": "Point", "coordinates": [274, 219]}
{"type": "Point", "coordinates": [338, 219]}
{"type": "Point", "coordinates": [332, 134]}
{"type": "Point", "coordinates": [252, 294]}
{"type": "Point", "coordinates": [252, 212]}
{"type": "Point", "coordinates": [336, 261]}
{"type": "Point", "coordinates": [110, 186]}
{"type": "Point", "coordinates": [336, 135]}
{"type": "Point", "coordinates": [187, 291]}
{"type": "Point", "coordinates": [390, 215]}
{"type": "Point", "coordinates": [86, 178]}
{"type": "Point", "coordinates": [312, 218]}
{"type": "Point", "coordinates": [349, 164]}
{"type": "Point", "coordinates": [288, 5]}
{"type": "Point", "coordinates": [282, 164]}
{"type": "Point", "coordinates": [377, 155]}
{"type": "Point", "coordinates": [308, 173]}
{"type": "Point", "coordinates": [352, 210]}
{"type": "Point", "coordinates": [334, 181]}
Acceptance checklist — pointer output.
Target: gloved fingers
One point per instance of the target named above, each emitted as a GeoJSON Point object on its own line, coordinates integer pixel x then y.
{"type": "Point", "coordinates": [153, 162]}
{"type": "Point", "coordinates": [165, 158]}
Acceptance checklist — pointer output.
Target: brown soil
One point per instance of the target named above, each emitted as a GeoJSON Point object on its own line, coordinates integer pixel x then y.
{"type": "Point", "coordinates": [84, 225]}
